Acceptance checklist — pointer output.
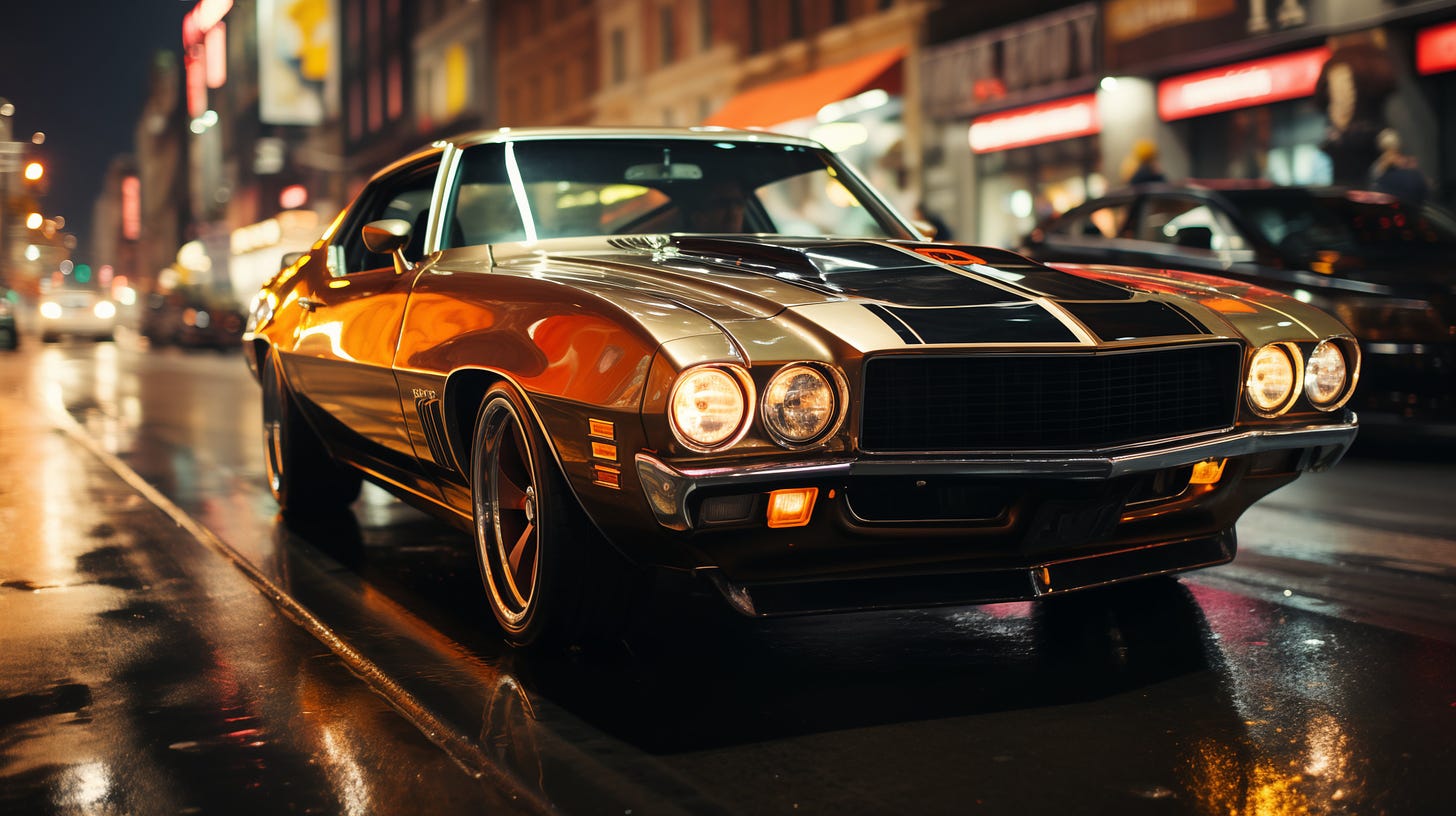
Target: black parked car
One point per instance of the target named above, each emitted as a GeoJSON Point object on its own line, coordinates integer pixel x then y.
{"type": "Point", "coordinates": [9, 331]}
{"type": "Point", "coordinates": [189, 319]}
{"type": "Point", "coordinates": [1388, 270]}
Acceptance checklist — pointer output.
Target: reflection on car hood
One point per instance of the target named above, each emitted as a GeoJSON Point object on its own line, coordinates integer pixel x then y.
{"type": "Point", "coordinates": [903, 293]}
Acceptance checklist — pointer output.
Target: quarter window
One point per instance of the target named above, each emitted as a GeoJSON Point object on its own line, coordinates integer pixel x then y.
{"type": "Point", "coordinates": [404, 195]}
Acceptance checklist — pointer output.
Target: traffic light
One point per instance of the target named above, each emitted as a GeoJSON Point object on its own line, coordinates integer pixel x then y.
{"type": "Point", "coordinates": [83, 273]}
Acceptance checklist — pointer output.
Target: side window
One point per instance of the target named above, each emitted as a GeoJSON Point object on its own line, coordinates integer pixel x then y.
{"type": "Point", "coordinates": [405, 195]}
{"type": "Point", "coordinates": [1185, 222]}
{"type": "Point", "coordinates": [1102, 222]}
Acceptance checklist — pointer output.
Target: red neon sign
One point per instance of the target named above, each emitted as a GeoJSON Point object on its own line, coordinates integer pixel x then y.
{"type": "Point", "coordinates": [1436, 49]}
{"type": "Point", "coordinates": [1035, 124]}
{"type": "Point", "coordinates": [1258, 82]}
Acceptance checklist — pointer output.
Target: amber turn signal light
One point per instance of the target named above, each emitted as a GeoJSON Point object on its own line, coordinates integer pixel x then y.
{"type": "Point", "coordinates": [792, 507]}
{"type": "Point", "coordinates": [1207, 472]}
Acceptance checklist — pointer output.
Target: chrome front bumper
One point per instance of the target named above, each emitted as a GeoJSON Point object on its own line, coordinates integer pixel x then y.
{"type": "Point", "coordinates": [668, 488]}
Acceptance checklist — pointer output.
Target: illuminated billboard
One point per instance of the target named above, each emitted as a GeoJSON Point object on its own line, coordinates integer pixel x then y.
{"type": "Point", "coordinates": [296, 52]}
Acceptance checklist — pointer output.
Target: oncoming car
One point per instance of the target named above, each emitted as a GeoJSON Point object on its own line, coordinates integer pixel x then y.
{"type": "Point", "coordinates": [611, 353]}
{"type": "Point", "coordinates": [77, 313]}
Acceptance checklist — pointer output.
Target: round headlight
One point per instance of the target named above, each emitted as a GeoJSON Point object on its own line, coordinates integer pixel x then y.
{"type": "Point", "coordinates": [50, 309]}
{"type": "Point", "coordinates": [708, 407]}
{"type": "Point", "coordinates": [104, 309]}
{"type": "Point", "coordinates": [799, 404]}
{"type": "Point", "coordinates": [1271, 380]}
{"type": "Point", "coordinates": [1325, 375]}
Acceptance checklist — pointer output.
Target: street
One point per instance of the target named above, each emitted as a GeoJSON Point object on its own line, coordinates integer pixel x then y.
{"type": "Point", "coordinates": [352, 667]}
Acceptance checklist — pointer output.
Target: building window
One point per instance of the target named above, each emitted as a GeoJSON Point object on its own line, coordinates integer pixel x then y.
{"type": "Point", "coordinates": [619, 56]}
{"type": "Point", "coordinates": [669, 40]}
{"type": "Point", "coordinates": [705, 24]}
{"type": "Point", "coordinates": [796, 19]}
{"type": "Point", "coordinates": [839, 12]}
{"type": "Point", "coordinates": [395, 96]}
{"type": "Point", "coordinates": [755, 27]}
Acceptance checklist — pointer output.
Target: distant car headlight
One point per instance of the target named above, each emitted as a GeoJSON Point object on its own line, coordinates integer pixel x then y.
{"type": "Point", "coordinates": [1325, 376]}
{"type": "Point", "coordinates": [50, 310]}
{"type": "Point", "coordinates": [1273, 378]}
{"type": "Point", "coordinates": [799, 404]}
{"type": "Point", "coordinates": [709, 405]}
{"type": "Point", "coordinates": [104, 309]}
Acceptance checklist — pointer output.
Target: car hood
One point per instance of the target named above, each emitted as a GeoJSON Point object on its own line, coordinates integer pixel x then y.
{"type": "Point", "coordinates": [879, 294]}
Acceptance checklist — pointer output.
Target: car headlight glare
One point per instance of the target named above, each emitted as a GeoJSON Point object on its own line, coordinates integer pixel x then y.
{"type": "Point", "coordinates": [799, 404]}
{"type": "Point", "coordinates": [104, 309]}
{"type": "Point", "coordinates": [708, 407]}
{"type": "Point", "coordinates": [1325, 375]}
{"type": "Point", "coordinates": [51, 310]}
{"type": "Point", "coordinates": [1272, 379]}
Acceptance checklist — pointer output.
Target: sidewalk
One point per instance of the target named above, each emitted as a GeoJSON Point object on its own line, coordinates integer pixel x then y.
{"type": "Point", "coordinates": [142, 672]}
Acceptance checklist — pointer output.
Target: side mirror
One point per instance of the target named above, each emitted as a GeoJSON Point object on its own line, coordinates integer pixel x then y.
{"type": "Point", "coordinates": [389, 237]}
{"type": "Point", "coordinates": [1195, 237]}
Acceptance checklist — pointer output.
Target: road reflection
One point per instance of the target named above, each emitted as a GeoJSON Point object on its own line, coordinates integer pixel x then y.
{"type": "Point", "coordinates": [1171, 695]}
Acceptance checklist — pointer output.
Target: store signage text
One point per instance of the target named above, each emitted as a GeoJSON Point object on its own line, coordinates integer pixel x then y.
{"type": "Point", "coordinates": [997, 66]}
{"type": "Point", "coordinates": [1436, 49]}
{"type": "Point", "coordinates": [1036, 124]}
{"type": "Point", "coordinates": [1259, 82]}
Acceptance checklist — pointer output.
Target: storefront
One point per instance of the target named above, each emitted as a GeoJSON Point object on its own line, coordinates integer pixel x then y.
{"type": "Point", "coordinates": [854, 107]}
{"type": "Point", "coordinates": [1252, 120]}
{"type": "Point", "coordinates": [1033, 162]}
{"type": "Point", "coordinates": [1435, 61]}
{"type": "Point", "coordinates": [1013, 125]}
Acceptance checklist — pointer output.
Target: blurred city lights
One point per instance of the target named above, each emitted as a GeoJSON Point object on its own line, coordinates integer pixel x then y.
{"type": "Point", "coordinates": [34, 171]}
{"type": "Point", "coordinates": [34, 220]}
{"type": "Point", "coordinates": [32, 252]}
{"type": "Point", "coordinates": [38, 138]}
{"type": "Point", "coordinates": [201, 124]}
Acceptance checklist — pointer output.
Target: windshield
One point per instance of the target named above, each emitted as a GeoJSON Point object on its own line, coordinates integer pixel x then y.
{"type": "Point", "coordinates": [1353, 222]}
{"type": "Point", "coordinates": [537, 189]}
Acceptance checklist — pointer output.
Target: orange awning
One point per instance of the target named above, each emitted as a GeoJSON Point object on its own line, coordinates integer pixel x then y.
{"type": "Point", "coordinates": [801, 96]}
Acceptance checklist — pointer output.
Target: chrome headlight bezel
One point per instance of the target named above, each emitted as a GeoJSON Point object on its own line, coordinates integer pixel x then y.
{"type": "Point", "coordinates": [1349, 354]}
{"type": "Point", "coordinates": [736, 380]}
{"type": "Point", "coordinates": [1258, 372]}
{"type": "Point", "coordinates": [831, 387]}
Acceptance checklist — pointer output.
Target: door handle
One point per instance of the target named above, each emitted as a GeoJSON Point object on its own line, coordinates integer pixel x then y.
{"type": "Point", "coordinates": [309, 304]}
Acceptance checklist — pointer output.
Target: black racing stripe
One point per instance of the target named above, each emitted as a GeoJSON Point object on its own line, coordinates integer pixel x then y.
{"type": "Point", "coordinates": [886, 274]}
{"type": "Point", "coordinates": [1133, 321]}
{"type": "Point", "coordinates": [1005, 323]}
{"type": "Point", "coordinates": [895, 323]}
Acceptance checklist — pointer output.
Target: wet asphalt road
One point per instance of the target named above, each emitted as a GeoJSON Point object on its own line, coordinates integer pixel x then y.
{"type": "Point", "coordinates": [170, 646]}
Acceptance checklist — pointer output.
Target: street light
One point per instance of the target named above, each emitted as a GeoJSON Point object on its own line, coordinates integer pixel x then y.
{"type": "Point", "coordinates": [34, 220]}
{"type": "Point", "coordinates": [34, 171]}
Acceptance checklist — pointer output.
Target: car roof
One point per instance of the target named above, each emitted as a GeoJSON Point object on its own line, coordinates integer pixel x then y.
{"type": "Point", "coordinates": [569, 133]}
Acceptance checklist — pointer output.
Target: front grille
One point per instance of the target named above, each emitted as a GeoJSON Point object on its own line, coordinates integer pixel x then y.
{"type": "Point", "coordinates": [1047, 402]}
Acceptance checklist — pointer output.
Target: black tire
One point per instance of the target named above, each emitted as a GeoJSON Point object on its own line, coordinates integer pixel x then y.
{"type": "Point", "coordinates": [551, 579]}
{"type": "Point", "coordinates": [9, 339]}
{"type": "Point", "coordinates": [304, 480]}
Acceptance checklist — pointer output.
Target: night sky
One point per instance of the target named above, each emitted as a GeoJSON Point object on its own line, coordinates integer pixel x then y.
{"type": "Point", "coordinates": [77, 70]}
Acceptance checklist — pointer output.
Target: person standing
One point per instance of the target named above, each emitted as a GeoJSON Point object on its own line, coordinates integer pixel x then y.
{"type": "Point", "coordinates": [1396, 173]}
{"type": "Point", "coordinates": [1144, 163]}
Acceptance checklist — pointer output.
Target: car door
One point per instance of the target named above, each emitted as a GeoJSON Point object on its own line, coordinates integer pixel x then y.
{"type": "Point", "coordinates": [354, 302]}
